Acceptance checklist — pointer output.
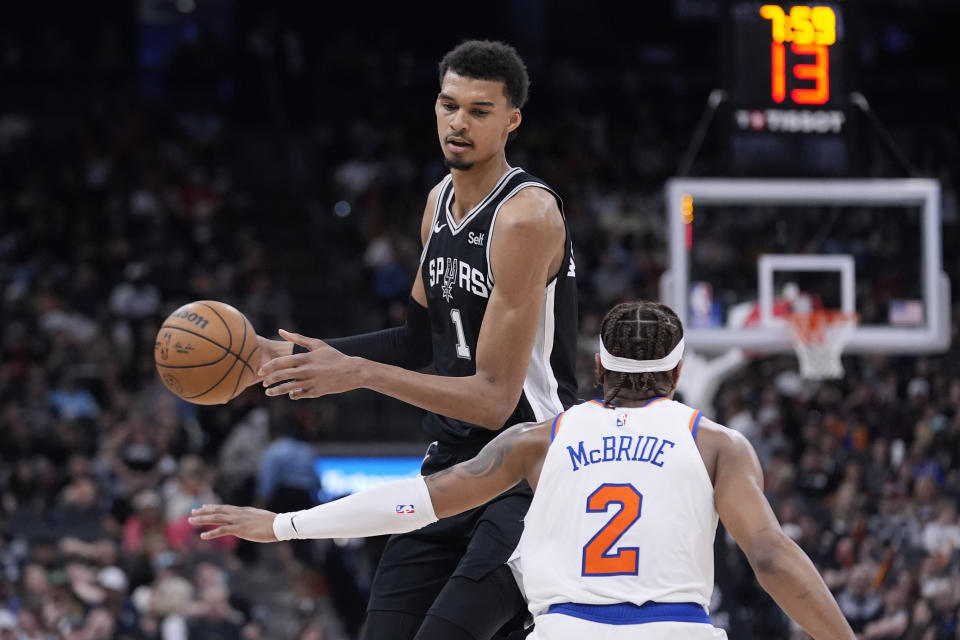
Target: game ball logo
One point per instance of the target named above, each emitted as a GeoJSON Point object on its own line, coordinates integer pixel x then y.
{"type": "Point", "coordinates": [172, 383]}
{"type": "Point", "coordinates": [162, 346]}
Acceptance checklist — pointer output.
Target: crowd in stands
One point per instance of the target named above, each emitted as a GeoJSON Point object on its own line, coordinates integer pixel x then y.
{"type": "Point", "coordinates": [116, 208]}
{"type": "Point", "coordinates": [864, 474]}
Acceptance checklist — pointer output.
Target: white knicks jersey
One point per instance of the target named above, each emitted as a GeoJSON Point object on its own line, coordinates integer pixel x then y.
{"type": "Point", "coordinates": [623, 510]}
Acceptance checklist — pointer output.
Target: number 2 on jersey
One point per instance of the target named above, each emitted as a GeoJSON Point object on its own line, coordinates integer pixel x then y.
{"type": "Point", "coordinates": [463, 349]}
{"type": "Point", "coordinates": [598, 560]}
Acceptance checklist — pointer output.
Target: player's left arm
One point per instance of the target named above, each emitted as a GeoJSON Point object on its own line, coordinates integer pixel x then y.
{"type": "Point", "coordinates": [395, 507]}
{"type": "Point", "coordinates": [781, 567]}
{"type": "Point", "coordinates": [526, 249]}
{"type": "Point", "coordinates": [514, 455]}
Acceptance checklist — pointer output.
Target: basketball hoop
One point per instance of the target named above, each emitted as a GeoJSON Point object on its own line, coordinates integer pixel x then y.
{"type": "Point", "coordinates": [819, 338]}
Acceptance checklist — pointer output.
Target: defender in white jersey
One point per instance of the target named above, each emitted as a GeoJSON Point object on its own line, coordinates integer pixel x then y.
{"type": "Point", "coordinates": [618, 541]}
{"type": "Point", "coordinates": [624, 516]}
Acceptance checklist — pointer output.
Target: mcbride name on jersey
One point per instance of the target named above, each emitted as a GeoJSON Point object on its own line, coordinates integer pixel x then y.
{"type": "Point", "coordinates": [455, 267]}
{"type": "Point", "coordinates": [624, 511]}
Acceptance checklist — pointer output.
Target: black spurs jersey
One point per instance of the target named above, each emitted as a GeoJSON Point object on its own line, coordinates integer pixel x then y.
{"type": "Point", "coordinates": [455, 266]}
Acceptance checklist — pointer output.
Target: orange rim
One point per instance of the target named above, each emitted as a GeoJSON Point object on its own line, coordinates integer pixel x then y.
{"type": "Point", "coordinates": [812, 327]}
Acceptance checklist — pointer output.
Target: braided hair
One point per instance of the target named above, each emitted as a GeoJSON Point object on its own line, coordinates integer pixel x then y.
{"type": "Point", "coordinates": [640, 330]}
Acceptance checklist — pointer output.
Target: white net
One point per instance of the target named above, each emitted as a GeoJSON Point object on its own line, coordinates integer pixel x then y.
{"type": "Point", "coordinates": [819, 338]}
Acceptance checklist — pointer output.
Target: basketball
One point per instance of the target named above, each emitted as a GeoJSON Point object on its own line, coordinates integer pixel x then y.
{"type": "Point", "coordinates": [206, 352]}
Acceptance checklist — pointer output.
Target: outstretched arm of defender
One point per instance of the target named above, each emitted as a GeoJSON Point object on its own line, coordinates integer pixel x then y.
{"type": "Point", "coordinates": [395, 507]}
{"type": "Point", "coordinates": [781, 567]}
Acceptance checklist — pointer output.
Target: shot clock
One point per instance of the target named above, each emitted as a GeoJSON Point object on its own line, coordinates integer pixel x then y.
{"type": "Point", "coordinates": [787, 87]}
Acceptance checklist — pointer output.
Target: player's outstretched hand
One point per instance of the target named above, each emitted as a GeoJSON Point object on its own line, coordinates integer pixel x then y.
{"type": "Point", "coordinates": [269, 350]}
{"type": "Point", "coordinates": [248, 523]}
{"type": "Point", "coordinates": [321, 371]}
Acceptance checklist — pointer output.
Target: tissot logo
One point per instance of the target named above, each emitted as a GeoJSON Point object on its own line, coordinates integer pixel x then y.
{"type": "Point", "coordinates": [475, 238]}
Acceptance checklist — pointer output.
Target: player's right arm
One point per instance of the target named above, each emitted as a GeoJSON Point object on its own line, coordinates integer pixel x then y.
{"type": "Point", "coordinates": [395, 507]}
{"type": "Point", "coordinates": [782, 568]}
{"type": "Point", "coordinates": [514, 455]}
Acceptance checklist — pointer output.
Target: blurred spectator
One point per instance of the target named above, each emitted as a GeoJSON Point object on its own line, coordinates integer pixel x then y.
{"type": "Point", "coordinates": [31, 627]}
{"type": "Point", "coordinates": [217, 619]}
{"type": "Point", "coordinates": [190, 488]}
{"type": "Point", "coordinates": [891, 524]}
{"type": "Point", "coordinates": [740, 419]}
{"type": "Point", "coordinates": [288, 479]}
{"type": "Point", "coordinates": [312, 631]}
{"type": "Point", "coordinates": [393, 259]}
{"type": "Point", "coordinates": [80, 511]}
{"type": "Point", "coordinates": [8, 626]}
{"type": "Point", "coordinates": [116, 602]}
{"type": "Point", "coordinates": [920, 619]}
{"type": "Point", "coordinates": [892, 624]}
{"type": "Point", "coordinates": [70, 402]}
{"type": "Point", "coordinates": [135, 298]}
{"type": "Point", "coordinates": [239, 458]}
{"type": "Point", "coordinates": [858, 602]}
{"type": "Point", "coordinates": [169, 604]}
{"type": "Point", "coordinates": [136, 454]}
{"type": "Point", "coordinates": [941, 535]}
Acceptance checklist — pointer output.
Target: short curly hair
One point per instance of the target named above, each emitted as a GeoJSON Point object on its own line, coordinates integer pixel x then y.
{"type": "Point", "coordinates": [490, 60]}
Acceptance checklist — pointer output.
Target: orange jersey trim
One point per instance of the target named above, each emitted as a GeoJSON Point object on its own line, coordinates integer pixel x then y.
{"type": "Point", "coordinates": [556, 426]}
{"type": "Point", "coordinates": [694, 423]}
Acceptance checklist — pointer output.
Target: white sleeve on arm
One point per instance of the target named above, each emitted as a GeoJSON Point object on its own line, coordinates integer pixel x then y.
{"type": "Point", "coordinates": [393, 507]}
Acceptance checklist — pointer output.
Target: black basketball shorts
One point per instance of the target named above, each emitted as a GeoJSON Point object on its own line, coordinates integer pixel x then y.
{"type": "Point", "coordinates": [415, 566]}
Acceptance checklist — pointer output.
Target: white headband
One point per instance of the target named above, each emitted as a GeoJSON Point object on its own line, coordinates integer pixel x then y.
{"type": "Point", "coordinates": [628, 365]}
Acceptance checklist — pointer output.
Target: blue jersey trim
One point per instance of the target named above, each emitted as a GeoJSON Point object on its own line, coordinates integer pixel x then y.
{"type": "Point", "coordinates": [553, 429]}
{"type": "Point", "coordinates": [696, 425]}
{"type": "Point", "coordinates": [629, 613]}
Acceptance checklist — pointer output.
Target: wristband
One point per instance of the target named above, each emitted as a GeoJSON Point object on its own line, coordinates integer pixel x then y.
{"type": "Point", "coordinates": [283, 527]}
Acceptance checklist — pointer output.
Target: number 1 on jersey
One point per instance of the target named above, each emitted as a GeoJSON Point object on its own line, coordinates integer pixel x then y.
{"type": "Point", "coordinates": [463, 349]}
{"type": "Point", "coordinates": [597, 558]}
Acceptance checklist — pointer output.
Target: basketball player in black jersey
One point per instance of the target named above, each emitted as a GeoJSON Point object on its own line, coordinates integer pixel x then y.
{"type": "Point", "coordinates": [494, 310]}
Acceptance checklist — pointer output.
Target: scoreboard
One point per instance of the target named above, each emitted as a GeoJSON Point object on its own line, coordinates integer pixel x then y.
{"type": "Point", "coordinates": [787, 86]}
{"type": "Point", "coordinates": [809, 32]}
